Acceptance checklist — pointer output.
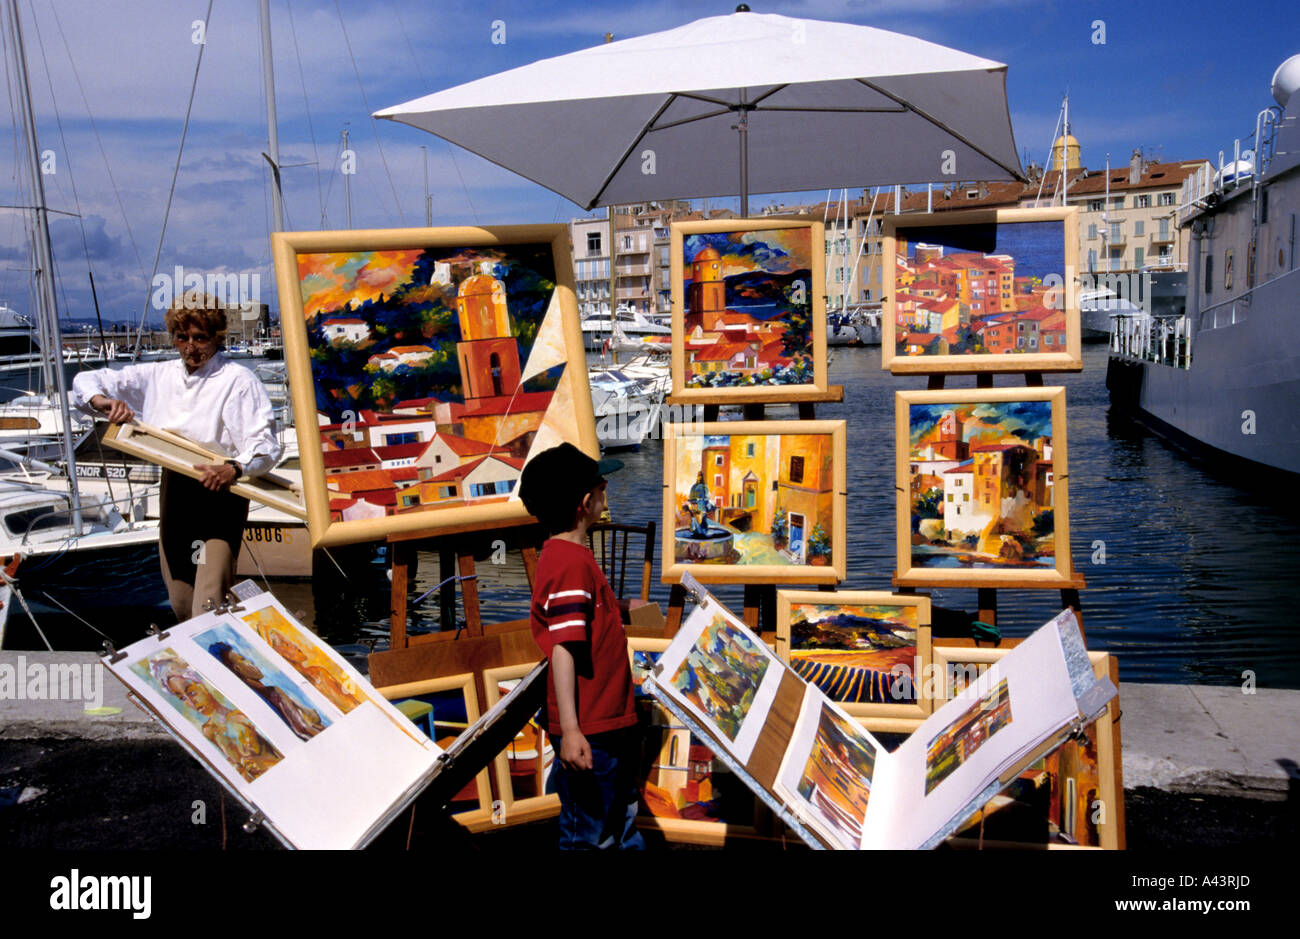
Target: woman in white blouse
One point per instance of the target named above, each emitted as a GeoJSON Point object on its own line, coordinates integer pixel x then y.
{"type": "Point", "coordinates": [214, 402]}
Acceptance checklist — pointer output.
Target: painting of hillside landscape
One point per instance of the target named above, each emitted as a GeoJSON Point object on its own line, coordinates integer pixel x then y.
{"type": "Point", "coordinates": [748, 307]}
{"type": "Point", "coordinates": [850, 651]}
{"type": "Point", "coordinates": [721, 674]}
{"type": "Point", "coordinates": [982, 487]}
{"type": "Point", "coordinates": [428, 391]}
{"type": "Point", "coordinates": [969, 731]}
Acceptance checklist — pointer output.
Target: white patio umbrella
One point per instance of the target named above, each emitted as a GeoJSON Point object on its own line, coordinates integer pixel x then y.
{"type": "Point", "coordinates": [742, 103]}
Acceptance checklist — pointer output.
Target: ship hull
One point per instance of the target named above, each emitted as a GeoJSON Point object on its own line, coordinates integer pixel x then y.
{"type": "Point", "coordinates": [1238, 397]}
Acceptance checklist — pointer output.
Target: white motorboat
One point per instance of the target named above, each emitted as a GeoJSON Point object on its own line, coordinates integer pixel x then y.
{"type": "Point", "coordinates": [628, 401]}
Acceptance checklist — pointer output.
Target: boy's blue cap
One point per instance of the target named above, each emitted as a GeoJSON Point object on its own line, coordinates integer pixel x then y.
{"type": "Point", "coordinates": [563, 471]}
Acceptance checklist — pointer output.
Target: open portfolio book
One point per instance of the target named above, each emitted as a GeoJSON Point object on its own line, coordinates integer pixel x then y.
{"type": "Point", "coordinates": [830, 778]}
{"type": "Point", "coordinates": [290, 729]}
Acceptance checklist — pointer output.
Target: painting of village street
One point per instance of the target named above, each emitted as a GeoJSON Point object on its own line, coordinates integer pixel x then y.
{"type": "Point", "coordinates": [421, 371]}
{"type": "Point", "coordinates": [721, 674]}
{"type": "Point", "coordinates": [748, 307]}
{"type": "Point", "coordinates": [957, 742]}
{"type": "Point", "coordinates": [984, 289]}
{"type": "Point", "coordinates": [849, 649]}
{"type": "Point", "coordinates": [752, 499]}
{"type": "Point", "coordinates": [980, 485]}
{"type": "Point", "coordinates": [836, 780]}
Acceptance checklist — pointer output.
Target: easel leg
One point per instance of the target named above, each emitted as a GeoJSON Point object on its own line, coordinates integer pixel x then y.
{"type": "Point", "coordinates": [988, 606]}
{"type": "Point", "coordinates": [676, 606]}
{"type": "Point", "coordinates": [447, 595]}
{"type": "Point", "coordinates": [469, 595]}
{"type": "Point", "coordinates": [753, 606]}
{"type": "Point", "coordinates": [404, 564]}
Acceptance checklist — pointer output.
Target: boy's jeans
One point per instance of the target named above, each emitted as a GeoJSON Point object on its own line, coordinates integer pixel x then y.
{"type": "Point", "coordinates": [598, 806]}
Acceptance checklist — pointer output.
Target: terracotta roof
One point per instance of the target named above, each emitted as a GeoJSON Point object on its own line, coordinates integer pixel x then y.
{"type": "Point", "coordinates": [358, 456]}
{"type": "Point", "coordinates": [402, 474]}
{"type": "Point", "coordinates": [528, 402]}
{"type": "Point", "coordinates": [403, 350]}
{"type": "Point", "coordinates": [463, 446]}
{"type": "Point", "coordinates": [401, 451]}
{"type": "Point", "coordinates": [1035, 313]}
{"type": "Point", "coordinates": [356, 482]}
{"type": "Point", "coordinates": [1154, 176]}
{"type": "Point", "coordinates": [345, 321]}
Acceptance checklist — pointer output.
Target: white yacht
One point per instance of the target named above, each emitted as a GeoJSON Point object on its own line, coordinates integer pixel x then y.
{"type": "Point", "coordinates": [1224, 373]}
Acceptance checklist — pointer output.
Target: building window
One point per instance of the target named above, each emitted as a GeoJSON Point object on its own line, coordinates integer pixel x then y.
{"type": "Point", "coordinates": [1096, 205]}
{"type": "Point", "coordinates": [749, 450]}
{"type": "Point", "coordinates": [1165, 198]}
{"type": "Point", "coordinates": [1142, 201]}
{"type": "Point", "coordinates": [1092, 259]}
{"type": "Point", "coordinates": [593, 242]}
{"type": "Point", "coordinates": [796, 469]}
{"type": "Point", "coordinates": [1092, 230]}
{"type": "Point", "coordinates": [1139, 255]}
{"type": "Point", "coordinates": [1117, 202]}
{"type": "Point", "coordinates": [1209, 274]}
{"type": "Point", "coordinates": [717, 459]}
{"type": "Point", "coordinates": [1139, 228]}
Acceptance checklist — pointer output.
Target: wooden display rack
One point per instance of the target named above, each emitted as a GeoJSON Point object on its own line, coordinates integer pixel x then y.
{"type": "Point", "coordinates": [760, 598]}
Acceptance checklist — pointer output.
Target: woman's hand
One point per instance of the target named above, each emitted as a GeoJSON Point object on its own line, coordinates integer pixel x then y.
{"type": "Point", "coordinates": [216, 476]}
{"type": "Point", "coordinates": [116, 410]}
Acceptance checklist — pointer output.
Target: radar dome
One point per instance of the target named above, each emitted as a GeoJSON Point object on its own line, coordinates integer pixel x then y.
{"type": "Point", "coordinates": [1286, 80]}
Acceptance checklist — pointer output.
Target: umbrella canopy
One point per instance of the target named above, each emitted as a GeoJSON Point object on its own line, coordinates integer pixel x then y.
{"type": "Point", "coordinates": [666, 115]}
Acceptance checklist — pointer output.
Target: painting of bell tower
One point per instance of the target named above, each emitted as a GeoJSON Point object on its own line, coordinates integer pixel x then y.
{"type": "Point", "coordinates": [488, 353]}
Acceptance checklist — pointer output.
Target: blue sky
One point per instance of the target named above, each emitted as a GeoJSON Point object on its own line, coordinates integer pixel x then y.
{"type": "Point", "coordinates": [1180, 80]}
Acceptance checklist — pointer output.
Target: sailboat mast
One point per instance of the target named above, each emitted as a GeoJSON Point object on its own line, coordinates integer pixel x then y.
{"type": "Point", "coordinates": [272, 130]}
{"type": "Point", "coordinates": [55, 382]}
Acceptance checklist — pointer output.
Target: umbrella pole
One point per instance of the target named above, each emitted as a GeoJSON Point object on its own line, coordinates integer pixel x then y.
{"type": "Point", "coordinates": [743, 128]}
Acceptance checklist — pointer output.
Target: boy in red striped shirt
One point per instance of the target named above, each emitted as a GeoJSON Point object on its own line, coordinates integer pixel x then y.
{"type": "Point", "coordinates": [576, 621]}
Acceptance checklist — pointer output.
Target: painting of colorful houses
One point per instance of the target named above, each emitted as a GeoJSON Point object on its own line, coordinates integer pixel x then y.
{"type": "Point", "coordinates": [982, 486]}
{"type": "Point", "coordinates": [746, 499]}
{"type": "Point", "coordinates": [434, 372]}
{"type": "Point", "coordinates": [749, 309]}
{"type": "Point", "coordinates": [955, 744]}
{"type": "Point", "coordinates": [835, 782]}
{"type": "Point", "coordinates": [988, 291]}
{"type": "Point", "coordinates": [868, 651]}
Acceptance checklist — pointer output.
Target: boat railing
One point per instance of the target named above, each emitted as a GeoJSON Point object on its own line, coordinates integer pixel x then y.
{"type": "Point", "coordinates": [1162, 340]}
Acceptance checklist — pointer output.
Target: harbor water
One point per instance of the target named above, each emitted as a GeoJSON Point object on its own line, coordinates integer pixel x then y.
{"type": "Point", "coordinates": [1184, 566]}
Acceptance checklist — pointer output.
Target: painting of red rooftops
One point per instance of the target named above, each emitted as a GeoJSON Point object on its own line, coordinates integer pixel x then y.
{"type": "Point", "coordinates": [981, 483]}
{"type": "Point", "coordinates": [749, 310]}
{"type": "Point", "coordinates": [427, 367]}
{"type": "Point", "coordinates": [981, 291]}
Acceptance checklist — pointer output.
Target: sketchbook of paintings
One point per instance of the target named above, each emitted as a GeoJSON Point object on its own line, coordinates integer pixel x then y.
{"type": "Point", "coordinates": [290, 729]}
{"type": "Point", "coordinates": [834, 779]}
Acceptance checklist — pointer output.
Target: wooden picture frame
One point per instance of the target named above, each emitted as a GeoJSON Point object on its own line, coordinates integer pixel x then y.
{"type": "Point", "coordinates": [180, 454]}
{"type": "Point", "coordinates": [762, 478]}
{"type": "Point", "coordinates": [669, 770]}
{"type": "Point", "coordinates": [1026, 317]}
{"type": "Point", "coordinates": [1105, 772]}
{"type": "Point", "coordinates": [1013, 468]}
{"type": "Point", "coordinates": [541, 804]}
{"type": "Point", "coordinates": [452, 338]}
{"type": "Point", "coordinates": [743, 345]}
{"type": "Point", "coordinates": [848, 684]}
{"type": "Point", "coordinates": [474, 819]}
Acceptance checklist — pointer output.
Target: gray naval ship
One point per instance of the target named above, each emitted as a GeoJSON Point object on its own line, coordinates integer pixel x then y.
{"type": "Point", "coordinates": [1223, 371]}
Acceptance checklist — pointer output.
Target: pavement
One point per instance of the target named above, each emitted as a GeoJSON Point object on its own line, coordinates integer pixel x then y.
{"type": "Point", "coordinates": [1217, 764]}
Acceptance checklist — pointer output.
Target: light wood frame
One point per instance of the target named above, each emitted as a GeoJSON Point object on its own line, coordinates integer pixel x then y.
{"type": "Point", "coordinates": [787, 599]}
{"type": "Point", "coordinates": [1061, 574]}
{"type": "Point", "coordinates": [286, 246]}
{"type": "Point", "coordinates": [832, 573]}
{"type": "Point", "coordinates": [179, 454]}
{"type": "Point", "coordinates": [817, 313]}
{"type": "Point", "coordinates": [473, 819]}
{"type": "Point", "coordinates": [897, 228]}
{"type": "Point", "coordinates": [683, 830]}
{"type": "Point", "coordinates": [1109, 778]}
{"type": "Point", "coordinates": [517, 811]}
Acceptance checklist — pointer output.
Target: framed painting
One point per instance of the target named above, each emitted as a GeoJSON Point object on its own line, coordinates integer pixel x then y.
{"type": "Point", "coordinates": [867, 651]}
{"type": "Point", "coordinates": [443, 708]}
{"type": "Point", "coordinates": [981, 291]}
{"type": "Point", "coordinates": [755, 502]}
{"type": "Point", "coordinates": [522, 768]}
{"type": "Point", "coordinates": [1073, 794]}
{"type": "Point", "coordinates": [427, 366]}
{"type": "Point", "coordinates": [687, 793]}
{"type": "Point", "coordinates": [749, 310]}
{"type": "Point", "coordinates": [982, 488]}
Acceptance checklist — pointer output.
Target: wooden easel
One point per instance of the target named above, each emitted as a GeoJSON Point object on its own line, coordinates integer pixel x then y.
{"type": "Point", "coordinates": [760, 598]}
{"type": "Point", "coordinates": [987, 599]}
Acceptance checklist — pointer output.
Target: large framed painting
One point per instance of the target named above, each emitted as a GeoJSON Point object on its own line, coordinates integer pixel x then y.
{"type": "Point", "coordinates": [755, 502]}
{"type": "Point", "coordinates": [981, 291]}
{"type": "Point", "coordinates": [866, 650]}
{"type": "Point", "coordinates": [749, 310]}
{"type": "Point", "coordinates": [1074, 795]}
{"type": "Point", "coordinates": [427, 367]}
{"type": "Point", "coordinates": [982, 488]}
